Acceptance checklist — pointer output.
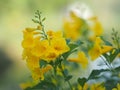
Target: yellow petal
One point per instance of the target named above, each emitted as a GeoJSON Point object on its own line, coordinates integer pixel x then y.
{"type": "Point", "coordinates": [95, 52]}
{"type": "Point", "coordinates": [106, 48]}
{"type": "Point", "coordinates": [40, 48]}
{"type": "Point", "coordinates": [59, 45]}
{"type": "Point", "coordinates": [82, 59]}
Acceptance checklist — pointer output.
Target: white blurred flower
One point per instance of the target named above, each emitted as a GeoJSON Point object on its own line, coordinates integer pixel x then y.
{"type": "Point", "coordinates": [81, 10]}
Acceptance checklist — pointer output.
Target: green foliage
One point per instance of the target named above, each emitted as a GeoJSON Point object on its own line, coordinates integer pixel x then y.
{"type": "Point", "coordinates": [106, 41]}
{"type": "Point", "coordinates": [117, 69]}
{"type": "Point", "coordinates": [42, 63]}
{"type": "Point", "coordinates": [38, 18]}
{"type": "Point", "coordinates": [68, 77]}
{"type": "Point", "coordinates": [112, 55]}
{"type": "Point", "coordinates": [110, 84]}
{"type": "Point", "coordinates": [43, 85]}
{"type": "Point", "coordinates": [110, 81]}
{"type": "Point", "coordinates": [116, 38]}
{"type": "Point", "coordinates": [82, 81]}
{"type": "Point", "coordinates": [65, 71]}
{"type": "Point", "coordinates": [73, 48]}
{"type": "Point", "coordinates": [95, 73]}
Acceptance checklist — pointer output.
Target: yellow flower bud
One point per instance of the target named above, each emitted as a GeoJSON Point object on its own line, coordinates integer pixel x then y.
{"type": "Point", "coordinates": [39, 27]}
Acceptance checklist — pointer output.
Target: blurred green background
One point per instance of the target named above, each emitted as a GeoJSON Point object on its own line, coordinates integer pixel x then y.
{"type": "Point", "coordinates": [15, 15]}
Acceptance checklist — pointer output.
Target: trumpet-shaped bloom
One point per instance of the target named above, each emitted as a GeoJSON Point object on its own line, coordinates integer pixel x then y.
{"type": "Point", "coordinates": [82, 59]}
{"type": "Point", "coordinates": [28, 41]}
{"type": "Point", "coordinates": [40, 48]}
{"type": "Point", "coordinates": [97, 28]}
{"type": "Point", "coordinates": [52, 35]}
{"type": "Point", "coordinates": [50, 55]}
{"type": "Point", "coordinates": [95, 52]}
{"type": "Point", "coordinates": [59, 45]}
{"type": "Point", "coordinates": [32, 62]}
{"type": "Point", "coordinates": [72, 26]}
{"type": "Point", "coordinates": [38, 73]}
{"type": "Point", "coordinates": [99, 48]}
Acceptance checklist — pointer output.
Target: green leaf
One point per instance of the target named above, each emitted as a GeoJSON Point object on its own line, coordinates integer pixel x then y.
{"type": "Point", "coordinates": [111, 83]}
{"type": "Point", "coordinates": [106, 42]}
{"type": "Point", "coordinates": [82, 81]}
{"type": "Point", "coordinates": [94, 74]}
{"type": "Point", "coordinates": [107, 57]}
{"type": "Point", "coordinates": [68, 77]}
{"type": "Point", "coordinates": [43, 85]}
{"type": "Point", "coordinates": [35, 21]}
{"type": "Point", "coordinates": [117, 69]}
{"type": "Point", "coordinates": [79, 42]}
{"type": "Point", "coordinates": [43, 63]}
{"type": "Point", "coordinates": [73, 48]}
{"type": "Point", "coordinates": [110, 58]}
{"type": "Point", "coordinates": [113, 56]}
{"type": "Point", "coordinates": [67, 41]}
{"type": "Point", "coordinates": [43, 19]}
{"type": "Point", "coordinates": [65, 72]}
{"type": "Point", "coordinates": [65, 55]}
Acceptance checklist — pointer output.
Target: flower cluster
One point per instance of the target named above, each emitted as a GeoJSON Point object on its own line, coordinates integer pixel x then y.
{"type": "Point", "coordinates": [75, 27]}
{"type": "Point", "coordinates": [52, 57]}
{"type": "Point", "coordinates": [39, 45]}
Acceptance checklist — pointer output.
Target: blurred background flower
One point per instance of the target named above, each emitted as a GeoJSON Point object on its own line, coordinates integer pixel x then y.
{"type": "Point", "coordinates": [15, 15]}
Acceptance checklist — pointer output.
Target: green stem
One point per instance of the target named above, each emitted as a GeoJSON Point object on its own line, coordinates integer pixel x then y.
{"type": "Point", "coordinates": [44, 33]}
{"type": "Point", "coordinates": [65, 76]}
{"type": "Point", "coordinates": [41, 24]}
{"type": "Point", "coordinates": [108, 65]}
